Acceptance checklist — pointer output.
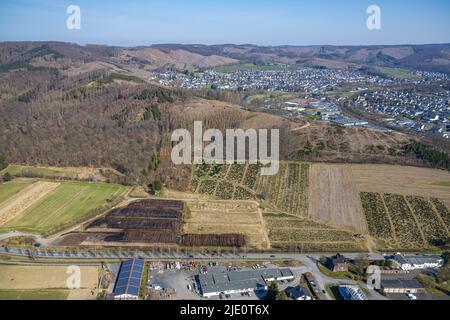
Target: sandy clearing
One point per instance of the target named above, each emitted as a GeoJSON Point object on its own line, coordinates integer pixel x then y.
{"type": "Point", "coordinates": [25, 199]}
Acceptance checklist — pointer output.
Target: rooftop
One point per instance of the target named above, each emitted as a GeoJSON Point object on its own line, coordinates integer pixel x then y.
{"type": "Point", "coordinates": [417, 259]}
{"type": "Point", "coordinates": [129, 278]}
{"type": "Point", "coordinates": [297, 292]}
{"type": "Point", "coordinates": [220, 282]}
{"type": "Point", "coordinates": [401, 283]}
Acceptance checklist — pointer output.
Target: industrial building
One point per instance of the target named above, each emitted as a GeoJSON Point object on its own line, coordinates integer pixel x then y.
{"type": "Point", "coordinates": [415, 262]}
{"type": "Point", "coordinates": [348, 122]}
{"type": "Point", "coordinates": [215, 284]}
{"type": "Point", "coordinates": [128, 281]}
{"type": "Point", "coordinates": [401, 286]}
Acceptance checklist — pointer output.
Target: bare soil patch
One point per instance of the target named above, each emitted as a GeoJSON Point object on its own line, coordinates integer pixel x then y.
{"type": "Point", "coordinates": [334, 198]}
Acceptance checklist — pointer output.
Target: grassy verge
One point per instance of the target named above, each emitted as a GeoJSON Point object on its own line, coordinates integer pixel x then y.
{"type": "Point", "coordinates": [143, 288]}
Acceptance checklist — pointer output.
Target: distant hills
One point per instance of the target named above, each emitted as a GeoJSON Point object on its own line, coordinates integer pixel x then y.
{"type": "Point", "coordinates": [433, 57]}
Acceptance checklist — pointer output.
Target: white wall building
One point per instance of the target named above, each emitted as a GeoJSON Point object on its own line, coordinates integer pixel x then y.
{"type": "Point", "coordinates": [409, 263]}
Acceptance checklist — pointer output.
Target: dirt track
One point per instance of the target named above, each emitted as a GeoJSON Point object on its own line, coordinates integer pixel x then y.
{"type": "Point", "coordinates": [24, 200]}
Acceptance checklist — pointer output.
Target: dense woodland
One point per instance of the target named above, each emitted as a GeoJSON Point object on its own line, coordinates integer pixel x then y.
{"type": "Point", "coordinates": [53, 112]}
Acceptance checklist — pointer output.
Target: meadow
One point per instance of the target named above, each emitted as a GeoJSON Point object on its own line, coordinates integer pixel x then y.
{"type": "Point", "coordinates": [67, 203]}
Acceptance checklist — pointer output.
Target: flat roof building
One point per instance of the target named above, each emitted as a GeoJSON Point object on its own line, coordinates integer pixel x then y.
{"type": "Point", "coordinates": [401, 286]}
{"type": "Point", "coordinates": [213, 284]}
{"type": "Point", "coordinates": [409, 263]}
{"type": "Point", "coordinates": [128, 281]}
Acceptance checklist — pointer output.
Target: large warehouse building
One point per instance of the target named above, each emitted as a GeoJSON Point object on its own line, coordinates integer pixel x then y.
{"type": "Point", "coordinates": [129, 280]}
{"type": "Point", "coordinates": [215, 284]}
{"type": "Point", "coordinates": [401, 286]}
{"type": "Point", "coordinates": [419, 261]}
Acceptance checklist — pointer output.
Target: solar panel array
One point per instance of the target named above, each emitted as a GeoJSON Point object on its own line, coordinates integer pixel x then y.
{"type": "Point", "coordinates": [129, 279]}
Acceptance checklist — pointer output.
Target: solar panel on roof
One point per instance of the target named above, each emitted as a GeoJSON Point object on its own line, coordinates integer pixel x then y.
{"type": "Point", "coordinates": [135, 282]}
{"type": "Point", "coordinates": [129, 278]}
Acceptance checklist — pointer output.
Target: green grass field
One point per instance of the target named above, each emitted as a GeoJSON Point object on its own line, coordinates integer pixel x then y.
{"type": "Point", "coordinates": [398, 73]}
{"type": "Point", "coordinates": [68, 202]}
{"type": "Point", "coordinates": [253, 67]}
{"type": "Point", "coordinates": [34, 294]}
{"type": "Point", "coordinates": [7, 190]}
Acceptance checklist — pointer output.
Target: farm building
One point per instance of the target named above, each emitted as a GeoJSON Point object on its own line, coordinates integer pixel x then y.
{"type": "Point", "coordinates": [415, 262]}
{"type": "Point", "coordinates": [242, 281]}
{"type": "Point", "coordinates": [337, 263]}
{"type": "Point", "coordinates": [351, 293]}
{"type": "Point", "coordinates": [129, 280]}
{"type": "Point", "coordinates": [401, 286]}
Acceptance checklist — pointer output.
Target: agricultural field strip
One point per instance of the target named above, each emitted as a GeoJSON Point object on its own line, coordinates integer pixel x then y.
{"type": "Point", "coordinates": [404, 222]}
{"type": "Point", "coordinates": [43, 277]}
{"type": "Point", "coordinates": [428, 219]}
{"type": "Point", "coordinates": [24, 199]}
{"type": "Point", "coordinates": [225, 217]}
{"type": "Point", "coordinates": [57, 210]}
{"type": "Point", "coordinates": [334, 198]}
{"type": "Point", "coordinates": [69, 200]}
{"type": "Point", "coordinates": [419, 227]}
{"type": "Point", "coordinates": [286, 190]}
{"type": "Point", "coordinates": [294, 231]}
{"type": "Point", "coordinates": [391, 221]}
{"type": "Point", "coordinates": [7, 190]}
{"type": "Point", "coordinates": [442, 211]}
{"type": "Point", "coordinates": [424, 221]}
{"type": "Point", "coordinates": [376, 216]}
{"type": "Point", "coordinates": [401, 180]}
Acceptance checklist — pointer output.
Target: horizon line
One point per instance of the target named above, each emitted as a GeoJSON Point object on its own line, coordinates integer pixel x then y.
{"type": "Point", "coordinates": [226, 44]}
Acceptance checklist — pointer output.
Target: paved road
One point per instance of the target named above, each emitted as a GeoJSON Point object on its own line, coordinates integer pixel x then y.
{"type": "Point", "coordinates": [93, 254]}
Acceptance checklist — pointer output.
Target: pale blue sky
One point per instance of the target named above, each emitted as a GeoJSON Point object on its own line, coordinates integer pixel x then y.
{"type": "Point", "coordinates": [263, 22]}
